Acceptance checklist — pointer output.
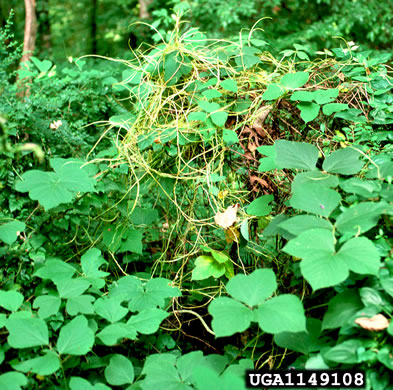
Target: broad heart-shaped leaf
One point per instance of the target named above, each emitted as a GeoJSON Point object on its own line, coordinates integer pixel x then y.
{"type": "Point", "coordinates": [77, 383]}
{"type": "Point", "coordinates": [229, 316]}
{"type": "Point", "coordinates": [331, 108]}
{"type": "Point", "coordinates": [206, 266]}
{"type": "Point", "coordinates": [323, 179]}
{"type": "Point", "coordinates": [308, 111]}
{"type": "Point", "coordinates": [55, 270]}
{"type": "Point", "coordinates": [209, 378]}
{"type": "Point", "coordinates": [302, 96]}
{"type": "Point", "coordinates": [297, 155]}
{"type": "Point", "coordinates": [260, 206]}
{"type": "Point", "coordinates": [197, 116]}
{"type": "Point", "coordinates": [91, 261]}
{"type": "Point", "coordinates": [208, 107]}
{"type": "Point", "coordinates": [344, 162]}
{"type": "Point", "coordinates": [365, 188]}
{"type": "Point", "coordinates": [48, 305]}
{"type": "Point", "coordinates": [133, 242]}
{"type": "Point", "coordinates": [11, 300]}
{"type": "Point", "coordinates": [324, 96]}
{"type": "Point", "coordinates": [230, 137]}
{"type": "Point", "coordinates": [273, 92]}
{"type": "Point", "coordinates": [26, 332]}
{"type": "Point", "coordinates": [153, 295]}
{"type": "Point", "coordinates": [12, 381]}
{"type": "Point", "coordinates": [346, 352]}
{"type": "Point", "coordinates": [268, 163]}
{"type": "Point", "coordinates": [283, 313]}
{"type": "Point", "coordinates": [219, 118]}
{"type": "Point", "coordinates": [294, 80]}
{"type": "Point", "coordinates": [254, 288]}
{"type": "Point", "coordinates": [341, 308]}
{"type": "Point", "coordinates": [120, 371]}
{"type": "Point", "coordinates": [54, 188]}
{"type": "Point", "coordinates": [147, 321]}
{"type": "Point", "coordinates": [110, 309]}
{"type": "Point", "coordinates": [300, 223]}
{"type": "Point", "coordinates": [82, 304]}
{"type": "Point", "coordinates": [112, 333]}
{"type": "Point", "coordinates": [322, 267]}
{"type": "Point", "coordinates": [303, 342]}
{"type": "Point", "coordinates": [9, 231]}
{"type": "Point", "coordinates": [75, 338]}
{"type": "Point", "coordinates": [211, 94]}
{"type": "Point", "coordinates": [360, 218]}
{"type": "Point", "coordinates": [42, 365]}
{"type": "Point", "coordinates": [229, 85]}
{"type": "Point", "coordinates": [315, 199]}
{"type": "Point", "coordinates": [72, 288]}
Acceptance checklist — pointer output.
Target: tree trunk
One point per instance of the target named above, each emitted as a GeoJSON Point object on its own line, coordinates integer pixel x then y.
{"type": "Point", "coordinates": [30, 30]}
{"type": "Point", "coordinates": [144, 9]}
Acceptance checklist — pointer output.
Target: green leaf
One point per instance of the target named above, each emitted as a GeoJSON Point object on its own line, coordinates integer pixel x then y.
{"type": "Point", "coordinates": [283, 313]}
{"type": "Point", "coordinates": [315, 199]}
{"type": "Point", "coordinates": [110, 309]}
{"type": "Point", "coordinates": [208, 378]}
{"type": "Point", "coordinates": [75, 338]}
{"type": "Point", "coordinates": [297, 155]}
{"type": "Point", "coordinates": [12, 381]}
{"type": "Point", "coordinates": [253, 289]}
{"type": "Point", "coordinates": [341, 308]}
{"type": "Point", "coordinates": [268, 163]}
{"type": "Point", "coordinates": [208, 107]}
{"type": "Point", "coordinates": [11, 300]}
{"type": "Point", "coordinates": [55, 270]}
{"type": "Point", "coordinates": [303, 342]}
{"type": "Point", "coordinates": [91, 261]}
{"type": "Point", "coordinates": [365, 188]}
{"type": "Point", "coordinates": [197, 116]}
{"type": "Point", "coordinates": [72, 288]}
{"type": "Point", "coordinates": [273, 92]}
{"type": "Point", "coordinates": [308, 111]}
{"type": "Point", "coordinates": [229, 316]}
{"type": "Point", "coordinates": [211, 94]}
{"type": "Point", "coordinates": [323, 179]}
{"type": "Point", "coordinates": [81, 304]}
{"type": "Point", "coordinates": [48, 305]}
{"type": "Point", "coordinates": [147, 321]}
{"type": "Point", "coordinates": [260, 206]}
{"type": "Point", "coordinates": [294, 80]}
{"type": "Point", "coordinates": [345, 352]}
{"type": "Point", "coordinates": [323, 96]}
{"type": "Point", "coordinates": [43, 66]}
{"type": "Point", "coordinates": [9, 231]}
{"type": "Point", "coordinates": [54, 188]}
{"type": "Point", "coordinates": [385, 357]}
{"type": "Point", "coordinates": [301, 223]}
{"type": "Point", "coordinates": [26, 332]}
{"type": "Point", "coordinates": [322, 267]}
{"type": "Point", "coordinates": [230, 137]}
{"type": "Point", "coordinates": [42, 365]}
{"type": "Point", "coordinates": [360, 218]}
{"type": "Point", "coordinates": [344, 162]}
{"type": "Point", "coordinates": [302, 96]}
{"type": "Point", "coordinates": [229, 85]}
{"type": "Point", "coordinates": [329, 109]}
{"type": "Point", "coordinates": [120, 371]}
{"type": "Point", "coordinates": [219, 118]}
{"type": "Point", "coordinates": [206, 266]}
{"type": "Point", "coordinates": [112, 333]}
{"type": "Point", "coordinates": [133, 242]}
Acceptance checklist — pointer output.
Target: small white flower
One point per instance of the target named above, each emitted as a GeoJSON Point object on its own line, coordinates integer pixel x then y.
{"type": "Point", "coordinates": [55, 125]}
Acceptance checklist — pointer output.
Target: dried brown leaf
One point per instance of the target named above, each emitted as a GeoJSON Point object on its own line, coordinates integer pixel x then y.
{"type": "Point", "coordinates": [378, 322]}
{"type": "Point", "coordinates": [227, 218]}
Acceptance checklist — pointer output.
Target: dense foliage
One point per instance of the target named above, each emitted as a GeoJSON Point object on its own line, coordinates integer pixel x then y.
{"type": "Point", "coordinates": [199, 208]}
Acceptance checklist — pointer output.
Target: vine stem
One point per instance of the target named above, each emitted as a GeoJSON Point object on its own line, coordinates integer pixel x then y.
{"type": "Point", "coordinates": [198, 316]}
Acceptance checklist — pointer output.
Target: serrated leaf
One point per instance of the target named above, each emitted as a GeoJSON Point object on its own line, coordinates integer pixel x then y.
{"type": "Point", "coordinates": [26, 332]}
{"type": "Point", "coordinates": [219, 118]}
{"type": "Point", "coordinates": [9, 231]}
{"type": "Point", "coordinates": [147, 321]}
{"type": "Point", "coordinates": [75, 338]}
{"type": "Point", "coordinates": [344, 162]}
{"type": "Point", "coordinates": [296, 155]}
{"type": "Point", "coordinates": [273, 92]}
{"type": "Point", "coordinates": [314, 198]}
{"type": "Point", "coordinates": [283, 313]}
{"type": "Point", "coordinates": [229, 316]}
{"type": "Point", "coordinates": [260, 206]}
{"type": "Point", "coordinates": [11, 300]}
{"type": "Point", "coordinates": [42, 365]}
{"type": "Point", "coordinates": [308, 111]}
{"type": "Point", "coordinates": [294, 80]}
{"type": "Point", "coordinates": [253, 289]}
{"type": "Point", "coordinates": [54, 188]}
{"type": "Point", "coordinates": [229, 85]}
{"type": "Point", "coordinates": [120, 371]}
